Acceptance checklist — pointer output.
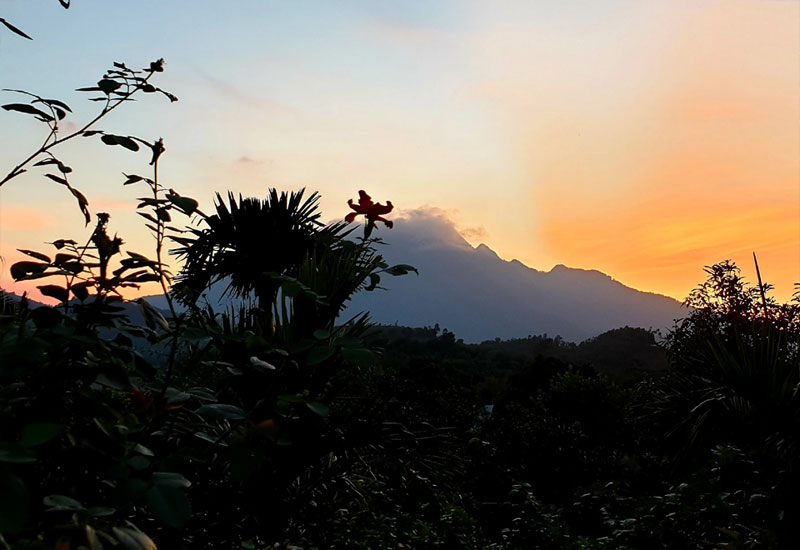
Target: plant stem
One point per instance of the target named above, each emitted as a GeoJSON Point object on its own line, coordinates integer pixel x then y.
{"type": "Point", "coordinates": [45, 147]}
{"type": "Point", "coordinates": [163, 281]}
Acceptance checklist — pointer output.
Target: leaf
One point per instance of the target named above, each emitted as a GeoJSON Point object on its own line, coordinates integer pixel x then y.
{"type": "Point", "coordinates": [62, 258]}
{"type": "Point", "coordinates": [184, 204]}
{"type": "Point", "coordinates": [175, 397]}
{"type": "Point", "coordinates": [61, 502]}
{"type": "Point", "coordinates": [128, 143]}
{"type": "Point", "coordinates": [138, 463]}
{"type": "Point", "coordinates": [318, 408]}
{"type": "Point", "coordinates": [148, 216]}
{"type": "Point", "coordinates": [91, 537]}
{"type": "Point", "coordinates": [131, 178]}
{"type": "Point", "coordinates": [107, 85]}
{"type": "Point", "coordinates": [209, 438]}
{"type": "Point", "coordinates": [142, 277]}
{"type": "Point", "coordinates": [57, 179]}
{"type": "Point", "coordinates": [163, 215]}
{"type": "Point", "coordinates": [82, 203]}
{"type": "Point", "coordinates": [80, 291]}
{"type": "Point", "coordinates": [141, 449]}
{"type": "Point", "coordinates": [130, 490]}
{"type": "Point", "coordinates": [374, 280]}
{"type": "Point", "coordinates": [25, 269]}
{"type": "Point", "coordinates": [54, 291]}
{"type": "Point", "coordinates": [172, 97]}
{"type": "Point", "coordinates": [152, 316]}
{"type": "Point", "coordinates": [14, 502]}
{"type": "Point", "coordinates": [318, 355]}
{"type": "Point", "coordinates": [61, 166]}
{"type": "Point", "coordinates": [133, 540]}
{"type": "Point", "coordinates": [260, 363]}
{"type": "Point", "coordinates": [52, 102]}
{"type": "Point", "coordinates": [73, 267]}
{"type": "Point", "coordinates": [61, 243]}
{"type": "Point", "coordinates": [401, 269]}
{"type": "Point", "coordinates": [14, 29]}
{"type": "Point", "coordinates": [27, 109]}
{"type": "Point", "coordinates": [203, 394]}
{"type": "Point", "coordinates": [361, 357]}
{"type": "Point", "coordinates": [169, 505]}
{"type": "Point", "coordinates": [220, 411]}
{"type": "Point", "coordinates": [172, 479]}
{"type": "Point", "coordinates": [34, 254]}
{"type": "Point", "coordinates": [100, 511]}
{"type": "Point", "coordinates": [39, 433]}
{"type": "Point", "coordinates": [116, 380]}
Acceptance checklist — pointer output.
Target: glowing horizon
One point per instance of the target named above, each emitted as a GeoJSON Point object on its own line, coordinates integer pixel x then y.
{"type": "Point", "coordinates": [644, 140]}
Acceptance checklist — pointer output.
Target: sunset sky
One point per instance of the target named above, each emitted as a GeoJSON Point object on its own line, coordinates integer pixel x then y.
{"type": "Point", "coordinates": [645, 139]}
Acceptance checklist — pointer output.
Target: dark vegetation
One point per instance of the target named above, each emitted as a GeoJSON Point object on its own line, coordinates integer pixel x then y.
{"type": "Point", "coordinates": [279, 425]}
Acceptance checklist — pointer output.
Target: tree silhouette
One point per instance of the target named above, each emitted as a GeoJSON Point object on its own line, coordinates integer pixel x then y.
{"type": "Point", "coordinates": [246, 239]}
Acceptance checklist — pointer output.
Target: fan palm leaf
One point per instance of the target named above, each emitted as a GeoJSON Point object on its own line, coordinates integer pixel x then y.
{"type": "Point", "coordinates": [246, 238]}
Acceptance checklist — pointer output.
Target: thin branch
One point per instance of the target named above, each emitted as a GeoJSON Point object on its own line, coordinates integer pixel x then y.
{"type": "Point", "coordinates": [45, 147]}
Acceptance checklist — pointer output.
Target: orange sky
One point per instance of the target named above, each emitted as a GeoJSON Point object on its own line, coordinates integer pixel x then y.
{"type": "Point", "coordinates": [643, 139]}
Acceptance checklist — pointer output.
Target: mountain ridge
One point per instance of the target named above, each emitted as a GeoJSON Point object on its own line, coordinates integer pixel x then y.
{"type": "Point", "coordinates": [479, 296]}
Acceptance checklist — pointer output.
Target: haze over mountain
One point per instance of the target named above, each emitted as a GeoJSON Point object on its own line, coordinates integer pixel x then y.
{"type": "Point", "coordinates": [479, 296]}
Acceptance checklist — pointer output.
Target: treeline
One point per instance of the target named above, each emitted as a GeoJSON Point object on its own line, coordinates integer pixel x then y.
{"type": "Point", "coordinates": [316, 435]}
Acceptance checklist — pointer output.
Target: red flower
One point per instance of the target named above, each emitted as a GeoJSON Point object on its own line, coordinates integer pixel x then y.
{"type": "Point", "coordinates": [148, 404]}
{"type": "Point", "coordinates": [373, 211]}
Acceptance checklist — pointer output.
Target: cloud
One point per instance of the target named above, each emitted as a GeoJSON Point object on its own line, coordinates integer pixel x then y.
{"type": "Point", "coordinates": [225, 88]}
{"type": "Point", "coordinates": [431, 226]}
{"type": "Point", "coordinates": [234, 94]}
{"type": "Point", "coordinates": [474, 234]}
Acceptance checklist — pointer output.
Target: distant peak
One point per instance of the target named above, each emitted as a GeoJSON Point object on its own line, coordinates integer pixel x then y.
{"type": "Point", "coordinates": [561, 268]}
{"type": "Point", "coordinates": [486, 251]}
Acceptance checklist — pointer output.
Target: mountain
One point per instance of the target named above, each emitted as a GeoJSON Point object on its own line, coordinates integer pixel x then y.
{"type": "Point", "coordinates": [479, 296]}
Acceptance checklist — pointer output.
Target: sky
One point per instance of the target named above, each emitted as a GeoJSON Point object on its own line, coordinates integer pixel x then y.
{"type": "Point", "coordinates": [642, 139]}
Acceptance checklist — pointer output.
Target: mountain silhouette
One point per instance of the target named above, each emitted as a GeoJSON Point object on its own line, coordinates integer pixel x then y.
{"type": "Point", "coordinates": [479, 296]}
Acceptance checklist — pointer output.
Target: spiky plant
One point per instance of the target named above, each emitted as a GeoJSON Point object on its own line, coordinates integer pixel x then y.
{"type": "Point", "coordinates": [244, 240]}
